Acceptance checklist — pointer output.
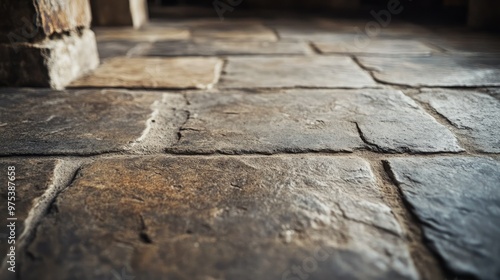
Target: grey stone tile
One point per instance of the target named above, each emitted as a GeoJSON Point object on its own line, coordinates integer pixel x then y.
{"type": "Point", "coordinates": [237, 31]}
{"type": "Point", "coordinates": [392, 47]}
{"type": "Point", "coordinates": [310, 120]}
{"type": "Point", "coordinates": [221, 217]}
{"type": "Point", "coordinates": [475, 115]}
{"type": "Point", "coordinates": [83, 122]}
{"type": "Point", "coordinates": [211, 48]}
{"type": "Point", "coordinates": [276, 72]}
{"type": "Point", "coordinates": [457, 71]}
{"type": "Point", "coordinates": [457, 200]}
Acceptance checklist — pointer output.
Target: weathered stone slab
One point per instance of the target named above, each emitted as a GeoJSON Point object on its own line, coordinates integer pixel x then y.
{"type": "Point", "coordinates": [221, 218]}
{"type": "Point", "coordinates": [306, 120]}
{"type": "Point", "coordinates": [253, 32]}
{"type": "Point", "coordinates": [457, 199]}
{"type": "Point", "coordinates": [210, 48]}
{"type": "Point", "coordinates": [475, 115]}
{"type": "Point", "coordinates": [142, 72]}
{"type": "Point", "coordinates": [108, 49]}
{"type": "Point", "coordinates": [53, 63]}
{"type": "Point", "coordinates": [287, 72]}
{"type": "Point", "coordinates": [146, 34]}
{"type": "Point", "coordinates": [466, 43]}
{"type": "Point", "coordinates": [459, 71]}
{"type": "Point", "coordinates": [354, 45]}
{"type": "Point", "coordinates": [83, 122]}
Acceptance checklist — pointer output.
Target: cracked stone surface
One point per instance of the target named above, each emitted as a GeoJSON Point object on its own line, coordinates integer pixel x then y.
{"type": "Point", "coordinates": [235, 122]}
{"type": "Point", "coordinates": [152, 72]}
{"type": "Point", "coordinates": [32, 178]}
{"type": "Point", "coordinates": [83, 122]}
{"type": "Point", "coordinates": [458, 202]}
{"type": "Point", "coordinates": [208, 48]}
{"type": "Point", "coordinates": [189, 218]}
{"type": "Point", "coordinates": [355, 45]}
{"type": "Point", "coordinates": [149, 34]}
{"type": "Point", "coordinates": [275, 72]}
{"type": "Point", "coordinates": [242, 32]}
{"type": "Point", "coordinates": [476, 115]}
{"type": "Point", "coordinates": [457, 71]}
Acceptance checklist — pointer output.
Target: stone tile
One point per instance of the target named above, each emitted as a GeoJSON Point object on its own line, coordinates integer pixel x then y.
{"type": "Point", "coordinates": [457, 71]}
{"type": "Point", "coordinates": [312, 72]}
{"type": "Point", "coordinates": [475, 115]}
{"type": "Point", "coordinates": [83, 122]}
{"type": "Point", "coordinates": [475, 44]}
{"type": "Point", "coordinates": [309, 121]}
{"type": "Point", "coordinates": [352, 45]}
{"type": "Point", "coordinates": [142, 72]}
{"type": "Point", "coordinates": [245, 32]}
{"type": "Point", "coordinates": [457, 199]}
{"type": "Point", "coordinates": [190, 218]}
{"type": "Point", "coordinates": [147, 34]}
{"type": "Point", "coordinates": [108, 49]}
{"type": "Point", "coordinates": [210, 48]}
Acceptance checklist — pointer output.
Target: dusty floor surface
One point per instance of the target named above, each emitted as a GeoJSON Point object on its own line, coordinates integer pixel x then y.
{"type": "Point", "coordinates": [262, 149]}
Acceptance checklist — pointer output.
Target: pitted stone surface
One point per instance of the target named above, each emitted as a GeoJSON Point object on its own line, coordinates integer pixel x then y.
{"type": "Point", "coordinates": [476, 115]}
{"type": "Point", "coordinates": [355, 45]}
{"type": "Point", "coordinates": [149, 72]}
{"type": "Point", "coordinates": [147, 34]}
{"type": "Point", "coordinates": [314, 72]}
{"type": "Point", "coordinates": [240, 32]}
{"type": "Point", "coordinates": [221, 218]}
{"type": "Point", "coordinates": [32, 178]}
{"type": "Point", "coordinates": [458, 202]}
{"type": "Point", "coordinates": [458, 71]}
{"type": "Point", "coordinates": [44, 122]}
{"type": "Point", "coordinates": [309, 120]}
{"type": "Point", "coordinates": [208, 48]}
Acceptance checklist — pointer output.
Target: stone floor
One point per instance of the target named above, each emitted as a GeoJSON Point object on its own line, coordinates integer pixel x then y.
{"type": "Point", "coordinates": [262, 149]}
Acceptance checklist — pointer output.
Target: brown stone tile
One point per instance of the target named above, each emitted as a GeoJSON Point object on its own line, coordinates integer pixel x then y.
{"type": "Point", "coordinates": [221, 218]}
{"type": "Point", "coordinates": [287, 72]}
{"type": "Point", "coordinates": [310, 121]}
{"type": "Point", "coordinates": [142, 72]}
{"type": "Point", "coordinates": [147, 34]}
{"type": "Point", "coordinates": [82, 122]}
{"type": "Point", "coordinates": [355, 45]}
{"type": "Point", "coordinates": [457, 71]}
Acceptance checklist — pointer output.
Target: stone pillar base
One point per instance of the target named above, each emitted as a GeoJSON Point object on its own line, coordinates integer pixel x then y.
{"type": "Point", "coordinates": [484, 14]}
{"type": "Point", "coordinates": [119, 12]}
{"type": "Point", "coordinates": [50, 63]}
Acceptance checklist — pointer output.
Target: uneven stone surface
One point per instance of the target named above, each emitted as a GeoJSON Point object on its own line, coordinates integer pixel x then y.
{"type": "Point", "coordinates": [458, 71]}
{"type": "Point", "coordinates": [309, 120]}
{"type": "Point", "coordinates": [208, 48]}
{"type": "Point", "coordinates": [146, 34]}
{"type": "Point", "coordinates": [354, 45]}
{"type": "Point", "coordinates": [458, 202]}
{"type": "Point", "coordinates": [476, 115]}
{"type": "Point", "coordinates": [141, 72]}
{"type": "Point", "coordinates": [189, 218]}
{"type": "Point", "coordinates": [44, 122]}
{"type": "Point", "coordinates": [313, 72]}
{"type": "Point", "coordinates": [246, 32]}
{"type": "Point", "coordinates": [53, 63]}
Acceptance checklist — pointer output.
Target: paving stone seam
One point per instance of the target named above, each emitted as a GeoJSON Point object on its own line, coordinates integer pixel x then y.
{"type": "Point", "coordinates": [370, 71]}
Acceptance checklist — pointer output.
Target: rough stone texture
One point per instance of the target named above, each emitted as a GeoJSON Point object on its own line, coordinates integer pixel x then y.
{"type": "Point", "coordinates": [146, 34]}
{"type": "Point", "coordinates": [464, 71]}
{"type": "Point", "coordinates": [189, 218]}
{"type": "Point", "coordinates": [354, 45]}
{"type": "Point", "coordinates": [458, 202]}
{"type": "Point", "coordinates": [253, 32]}
{"type": "Point", "coordinates": [33, 177]}
{"type": "Point", "coordinates": [51, 63]}
{"type": "Point", "coordinates": [309, 120]}
{"type": "Point", "coordinates": [141, 72]}
{"type": "Point", "coordinates": [44, 122]}
{"type": "Point", "coordinates": [209, 48]}
{"type": "Point", "coordinates": [476, 115]}
{"type": "Point", "coordinates": [36, 20]}
{"type": "Point", "coordinates": [120, 12]}
{"type": "Point", "coordinates": [313, 72]}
